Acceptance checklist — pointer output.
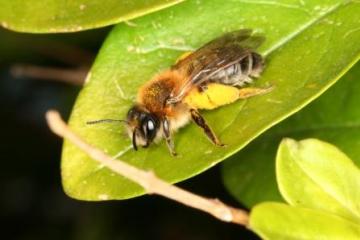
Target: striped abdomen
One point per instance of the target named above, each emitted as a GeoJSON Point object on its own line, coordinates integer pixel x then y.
{"type": "Point", "coordinates": [241, 72]}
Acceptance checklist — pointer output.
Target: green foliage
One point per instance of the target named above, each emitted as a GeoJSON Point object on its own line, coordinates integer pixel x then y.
{"type": "Point", "coordinates": [322, 186]}
{"type": "Point", "coordinates": [47, 16]}
{"type": "Point", "coordinates": [277, 221]}
{"type": "Point", "coordinates": [297, 66]}
{"type": "Point", "coordinates": [334, 117]}
{"type": "Point", "coordinates": [317, 175]}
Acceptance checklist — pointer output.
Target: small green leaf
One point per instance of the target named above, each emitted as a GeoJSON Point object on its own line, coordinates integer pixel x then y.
{"type": "Point", "coordinates": [315, 174]}
{"type": "Point", "coordinates": [47, 16]}
{"type": "Point", "coordinates": [334, 117]}
{"type": "Point", "coordinates": [299, 69]}
{"type": "Point", "coordinates": [276, 221]}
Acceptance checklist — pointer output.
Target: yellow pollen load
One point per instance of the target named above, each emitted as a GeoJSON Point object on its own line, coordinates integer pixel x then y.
{"type": "Point", "coordinates": [214, 96]}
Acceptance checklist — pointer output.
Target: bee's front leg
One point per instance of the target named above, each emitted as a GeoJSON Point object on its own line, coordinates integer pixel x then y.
{"type": "Point", "coordinates": [167, 136]}
{"type": "Point", "coordinates": [200, 121]}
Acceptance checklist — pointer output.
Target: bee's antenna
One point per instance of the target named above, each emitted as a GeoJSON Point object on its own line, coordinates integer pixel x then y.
{"type": "Point", "coordinates": [106, 121]}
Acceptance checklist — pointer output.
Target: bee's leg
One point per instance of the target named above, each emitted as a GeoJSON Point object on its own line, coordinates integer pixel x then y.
{"type": "Point", "coordinates": [200, 121]}
{"type": "Point", "coordinates": [252, 91]}
{"type": "Point", "coordinates": [167, 136]}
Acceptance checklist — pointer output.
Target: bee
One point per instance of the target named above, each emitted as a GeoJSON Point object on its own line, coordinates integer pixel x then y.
{"type": "Point", "coordinates": [214, 75]}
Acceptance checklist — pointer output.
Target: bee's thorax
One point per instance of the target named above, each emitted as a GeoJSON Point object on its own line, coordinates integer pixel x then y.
{"type": "Point", "coordinates": [153, 95]}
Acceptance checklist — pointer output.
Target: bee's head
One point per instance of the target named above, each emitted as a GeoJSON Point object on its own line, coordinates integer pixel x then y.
{"type": "Point", "coordinates": [143, 126]}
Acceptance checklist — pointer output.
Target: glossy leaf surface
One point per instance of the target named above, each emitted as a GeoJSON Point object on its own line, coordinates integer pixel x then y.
{"type": "Point", "coordinates": [276, 221]}
{"type": "Point", "coordinates": [44, 16]}
{"type": "Point", "coordinates": [299, 69]}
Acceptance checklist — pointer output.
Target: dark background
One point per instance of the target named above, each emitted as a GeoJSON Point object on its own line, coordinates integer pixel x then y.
{"type": "Point", "coordinates": [33, 204]}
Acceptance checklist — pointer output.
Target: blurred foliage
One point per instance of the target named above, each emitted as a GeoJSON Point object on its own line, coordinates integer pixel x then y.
{"type": "Point", "coordinates": [277, 221]}
{"type": "Point", "coordinates": [326, 178]}
{"type": "Point", "coordinates": [324, 201]}
{"type": "Point", "coordinates": [72, 16]}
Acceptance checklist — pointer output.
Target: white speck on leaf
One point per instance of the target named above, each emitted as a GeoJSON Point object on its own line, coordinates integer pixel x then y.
{"type": "Point", "coordinates": [317, 7]}
{"type": "Point", "coordinates": [328, 21]}
{"type": "Point", "coordinates": [273, 101]}
{"type": "Point", "coordinates": [130, 48]}
{"type": "Point", "coordinates": [103, 197]}
{"type": "Point", "coordinates": [82, 7]}
{"type": "Point", "coordinates": [178, 41]}
{"type": "Point", "coordinates": [208, 152]}
{"type": "Point", "coordinates": [338, 23]}
{"type": "Point", "coordinates": [130, 23]}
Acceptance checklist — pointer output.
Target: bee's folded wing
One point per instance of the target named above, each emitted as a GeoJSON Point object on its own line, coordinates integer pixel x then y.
{"type": "Point", "coordinates": [217, 55]}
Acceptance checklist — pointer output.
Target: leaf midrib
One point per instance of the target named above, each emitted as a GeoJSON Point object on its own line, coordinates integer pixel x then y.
{"type": "Point", "coordinates": [303, 27]}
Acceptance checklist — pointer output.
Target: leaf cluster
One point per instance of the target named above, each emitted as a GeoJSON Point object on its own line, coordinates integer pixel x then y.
{"type": "Point", "coordinates": [309, 46]}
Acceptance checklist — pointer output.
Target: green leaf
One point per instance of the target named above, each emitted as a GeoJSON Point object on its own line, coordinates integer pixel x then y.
{"type": "Point", "coordinates": [299, 69]}
{"type": "Point", "coordinates": [325, 178]}
{"type": "Point", "coordinates": [279, 221]}
{"type": "Point", "coordinates": [334, 117]}
{"type": "Point", "coordinates": [47, 16]}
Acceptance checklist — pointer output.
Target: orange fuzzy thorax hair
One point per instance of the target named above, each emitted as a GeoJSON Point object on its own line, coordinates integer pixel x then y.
{"type": "Point", "coordinates": [153, 94]}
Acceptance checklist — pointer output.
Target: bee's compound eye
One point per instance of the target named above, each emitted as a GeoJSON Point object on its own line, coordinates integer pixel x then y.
{"type": "Point", "coordinates": [150, 125]}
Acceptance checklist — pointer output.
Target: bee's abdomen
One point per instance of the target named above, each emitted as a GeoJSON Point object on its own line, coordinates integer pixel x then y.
{"type": "Point", "coordinates": [240, 73]}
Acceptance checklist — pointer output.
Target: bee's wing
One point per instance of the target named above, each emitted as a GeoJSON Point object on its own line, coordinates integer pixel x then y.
{"type": "Point", "coordinates": [213, 57]}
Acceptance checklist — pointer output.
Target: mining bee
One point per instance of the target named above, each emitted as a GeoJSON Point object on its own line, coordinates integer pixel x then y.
{"type": "Point", "coordinates": [214, 75]}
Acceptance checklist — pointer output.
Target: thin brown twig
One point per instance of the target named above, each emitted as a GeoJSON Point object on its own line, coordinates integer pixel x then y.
{"type": "Point", "coordinates": [72, 76]}
{"type": "Point", "coordinates": [147, 179]}
{"type": "Point", "coordinates": [60, 51]}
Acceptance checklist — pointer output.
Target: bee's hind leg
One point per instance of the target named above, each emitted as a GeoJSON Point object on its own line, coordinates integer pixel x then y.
{"type": "Point", "coordinates": [200, 121]}
{"type": "Point", "coordinates": [248, 92]}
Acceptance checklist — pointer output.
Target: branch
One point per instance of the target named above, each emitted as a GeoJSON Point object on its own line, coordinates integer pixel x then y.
{"type": "Point", "coordinates": [147, 179]}
{"type": "Point", "coordinates": [60, 51]}
{"type": "Point", "coordinates": [72, 76]}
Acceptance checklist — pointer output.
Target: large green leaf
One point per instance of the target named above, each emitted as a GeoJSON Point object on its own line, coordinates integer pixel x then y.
{"type": "Point", "coordinates": [325, 178]}
{"type": "Point", "coordinates": [276, 221]}
{"type": "Point", "coordinates": [334, 117]}
{"type": "Point", "coordinates": [297, 66]}
{"type": "Point", "coordinates": [45, 16]}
